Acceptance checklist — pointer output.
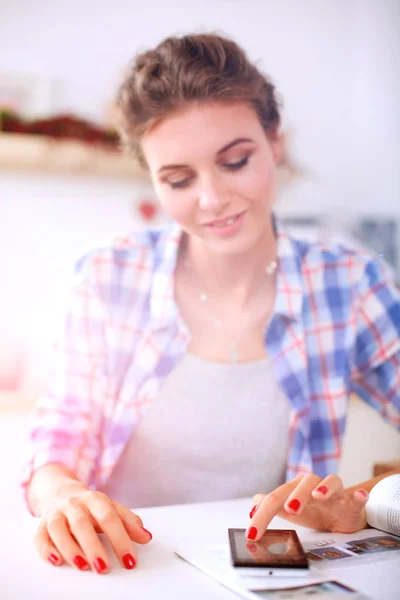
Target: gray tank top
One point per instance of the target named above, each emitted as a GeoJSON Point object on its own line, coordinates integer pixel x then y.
{"type": "Point", "coordinates": [215, 432]}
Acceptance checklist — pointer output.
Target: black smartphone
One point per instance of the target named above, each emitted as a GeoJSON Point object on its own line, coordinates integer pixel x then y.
{"type": "Point", "coordinates": [278, 552]}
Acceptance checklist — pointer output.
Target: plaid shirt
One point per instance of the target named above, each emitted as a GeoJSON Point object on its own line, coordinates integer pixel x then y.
{"type": "Point", "coordinates": [335, 330]}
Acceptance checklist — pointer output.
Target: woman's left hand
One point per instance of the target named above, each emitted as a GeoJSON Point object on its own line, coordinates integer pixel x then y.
{"type": "Point", "coordinates": [313, 502]}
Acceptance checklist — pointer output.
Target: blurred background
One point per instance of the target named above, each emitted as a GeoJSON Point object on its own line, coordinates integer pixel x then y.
{"type": "Point", "coordinates": [65, 189]}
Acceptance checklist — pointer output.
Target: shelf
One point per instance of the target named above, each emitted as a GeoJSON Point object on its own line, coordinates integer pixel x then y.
{"type": "Point", "coordinates": [43, 154]}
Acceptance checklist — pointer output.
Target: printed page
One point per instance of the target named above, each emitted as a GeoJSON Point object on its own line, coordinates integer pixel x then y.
{"type": "Point", "coordinates": [383, 506]}
{"type": "Point", "coordinates": [334, 589]}
{"type": "Point", "coordinates": [214, 560]}
{"type": "Point", "coordinates": [331, 555]}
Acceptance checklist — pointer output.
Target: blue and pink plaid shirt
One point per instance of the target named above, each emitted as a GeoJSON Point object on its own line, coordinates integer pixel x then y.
{"type": "Point", "coordinates": [335, 330]}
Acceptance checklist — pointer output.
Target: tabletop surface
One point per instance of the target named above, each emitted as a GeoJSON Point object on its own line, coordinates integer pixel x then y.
{"type": "Point", "coordinates": [159, 572]}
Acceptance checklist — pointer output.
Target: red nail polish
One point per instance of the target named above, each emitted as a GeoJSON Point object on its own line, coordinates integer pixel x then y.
{"type": "Point", "coordinates": [129, 561]}
{"type": "Point", "coordinates": [251, 533]}
{"type": "Point", "coordinates": [362, 493]}
{"type": "Point", "coordinates": [80, 562]}
{"type": "Point", "coordinates": [148, 532]}
{"type": "Point", "coordinates": [53, 559]}
{"type": "Point", "coordinates": [294, 504]}
{"type": "Point", "coordinates": [323, 489]}
{"type": "Point", "coordinates": [253, 511]}
{"type": "Point", "coordinates": [99, 565]}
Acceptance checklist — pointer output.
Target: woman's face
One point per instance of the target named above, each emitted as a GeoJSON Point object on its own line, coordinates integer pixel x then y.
{"type": "Point", "coordinates": [214, 171]}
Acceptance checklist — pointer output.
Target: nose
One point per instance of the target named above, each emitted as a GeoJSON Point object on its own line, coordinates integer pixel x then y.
{"type": "Point", "coordinates": [211, 198]}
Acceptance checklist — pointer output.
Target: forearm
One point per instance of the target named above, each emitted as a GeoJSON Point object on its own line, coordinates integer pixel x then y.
{"type": "Point", "coordinates": [47, 481]}
{"type": "Point", "coordinates": [369, 484]}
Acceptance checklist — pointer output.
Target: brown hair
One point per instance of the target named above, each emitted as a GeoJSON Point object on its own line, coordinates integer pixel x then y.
{"type": "Point", "coordinates": [183, 70]}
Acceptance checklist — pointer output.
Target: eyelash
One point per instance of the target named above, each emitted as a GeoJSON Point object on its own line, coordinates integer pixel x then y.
{"type": "Point", "coordinates": [231, 167]}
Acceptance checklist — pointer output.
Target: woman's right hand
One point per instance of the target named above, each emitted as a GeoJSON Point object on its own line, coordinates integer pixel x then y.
{"type": "Point", "coordinates": [71, 521]}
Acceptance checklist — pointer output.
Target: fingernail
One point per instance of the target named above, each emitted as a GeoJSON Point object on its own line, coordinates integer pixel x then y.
{"type": "Point", "coordinates": [80, 562]}
{"type": "Point", "coordinates": [148, 532]}
{"type": "Point", "coordinates": [251, 533]}
{"type": "Point", "coordinates": [129, 561]}
{"type": "Point", "coordinates": [99, 565]}
{"type": "Point", "coordinates": [253, 511]}
{"type": "Point", "coordinates": [294, 504]}
{"type": "Point", "coordinates": [53, 559]}
{"type": "Point", "coordinates": [323, 489]}
{"type": "Point", "coordinates": [362, 493]}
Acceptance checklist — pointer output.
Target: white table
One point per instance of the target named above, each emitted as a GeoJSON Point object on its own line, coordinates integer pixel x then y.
{"type": "Point", "coordinates": [159, 574]}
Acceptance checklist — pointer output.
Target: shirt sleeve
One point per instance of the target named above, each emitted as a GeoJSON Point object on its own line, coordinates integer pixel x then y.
{"type": "Point", "coordinates": [65, 424]}
{"type": "Point", "coordinates": [375, 371]}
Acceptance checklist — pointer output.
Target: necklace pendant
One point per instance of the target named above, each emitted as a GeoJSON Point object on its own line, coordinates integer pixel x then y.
{"type": "Point", "coordinates": [233, 353]}
{"type": "Point", "coordinates": [271, 267]}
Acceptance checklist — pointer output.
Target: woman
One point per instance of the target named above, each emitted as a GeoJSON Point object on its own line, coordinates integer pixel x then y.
{"type": "Point", "coordinates": [213, 358]}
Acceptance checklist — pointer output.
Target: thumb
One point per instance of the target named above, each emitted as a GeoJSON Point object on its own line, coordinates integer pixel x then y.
{"type": "Point", "coordinates": [133, 524]}
{"type": "Point", "coordinates": [360, 497]}
{"type": "Point", "coordinates": [358, 501]}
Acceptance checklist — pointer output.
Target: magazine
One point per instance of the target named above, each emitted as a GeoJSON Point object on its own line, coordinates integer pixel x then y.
{"type": "Point", "coordinates": [334, 589]}
{"type": "Point", "coordinates": [214, 561]}
{"type": "Point", "coordinates": [383, 514]}
{"type": "Point", "coordinates": [383, 506]}
{"type": "Point", "coordinates": [330, 555]}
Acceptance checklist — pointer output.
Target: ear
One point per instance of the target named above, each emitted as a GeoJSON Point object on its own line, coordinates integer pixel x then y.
{"type": "Point", "coordinates": [278, 147]}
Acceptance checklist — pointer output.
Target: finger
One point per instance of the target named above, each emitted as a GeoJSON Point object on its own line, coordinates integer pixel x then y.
{"type": "Point", "coordinates": [123, 510]}
{"type": "Point", "coordinates": [325, 489]}
{"type": "Point", "coordinates": [300, 496]}
{"type": "Point", "coordinates": [269, 507]}
{"type": "Point", "coordinates": [361, 497]}
{"type": "Point", "coordinates": [355, 511]}
{"type": "Point", "coordinates": [45, 547]}
{"type": "Point", "coordinates": [257, 499]}
{"type": "Point", "coordinates": [68, 547]}
{"type": "Point", "coordinates": [106, 516]}
{"type": "Point", "coordinates": [359, 500]}
{"type": "Point", "coordinates": [83, 531]}
{"type": "Point", "coordinates": [133, 524]}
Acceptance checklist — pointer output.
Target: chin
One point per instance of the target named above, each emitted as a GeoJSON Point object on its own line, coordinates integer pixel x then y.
{"type": "Point", "coordinates": [236, 245]}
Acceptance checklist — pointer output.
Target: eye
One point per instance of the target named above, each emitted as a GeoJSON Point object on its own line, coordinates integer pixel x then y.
{"type": "Point", "coordinates": [181, 183]}
{"type": "Point", "coordinates": [237, 165]}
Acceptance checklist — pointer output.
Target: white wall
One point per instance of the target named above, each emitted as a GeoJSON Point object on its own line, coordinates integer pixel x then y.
{"type": "Point", "coordinates": [333, 61]}
{"type": "Point", "coordinates": [374, 102]}
{"type": "Point", "coordinates": [46, 224]}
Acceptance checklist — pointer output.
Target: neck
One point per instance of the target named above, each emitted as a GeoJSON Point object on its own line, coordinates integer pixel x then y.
{"type": "Point", "coordinates": [237, 276]}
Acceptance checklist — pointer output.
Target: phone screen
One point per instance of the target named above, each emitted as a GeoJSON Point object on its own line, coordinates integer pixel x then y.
{"type": "Point", "coordinates": [278, 548]}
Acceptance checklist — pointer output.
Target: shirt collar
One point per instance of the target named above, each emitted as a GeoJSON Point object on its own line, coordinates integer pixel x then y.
{"type": "Point", "coordinates": [289, 293]}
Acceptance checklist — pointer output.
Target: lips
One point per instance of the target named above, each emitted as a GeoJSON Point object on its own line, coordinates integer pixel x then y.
{"type": "Point", "coordinates": [224, 222]}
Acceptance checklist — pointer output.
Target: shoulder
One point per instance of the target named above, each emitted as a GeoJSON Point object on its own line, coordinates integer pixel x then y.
{"type": "Point", "coordinates": [127, 262]}
{"type": "Point", "coordinates": [347, 281]}
{"type": "Point", "coordinates": [340, 265]}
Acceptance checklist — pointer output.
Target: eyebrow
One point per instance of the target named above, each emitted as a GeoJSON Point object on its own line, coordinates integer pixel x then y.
{"type": "Point", "coordinates": [221, 151]}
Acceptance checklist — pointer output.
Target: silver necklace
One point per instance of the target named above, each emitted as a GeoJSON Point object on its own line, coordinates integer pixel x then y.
{"type": "Point", "coordinates": [218, 322]}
